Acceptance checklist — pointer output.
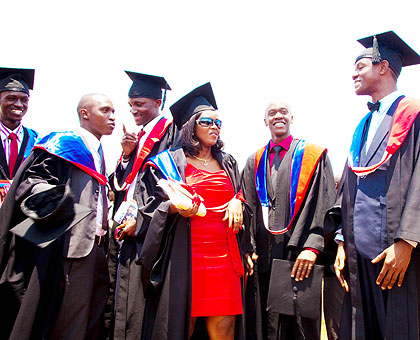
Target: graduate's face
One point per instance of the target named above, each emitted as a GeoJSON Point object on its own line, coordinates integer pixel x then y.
{"type": "Point", "coordinates": [278, 119]}
{"type": "Point", "coordinates": [98, 116]}
{"type": "Point", "coordinates": [207, 135]}
{"type": "Point", "coordinates": [144, 109]}
{"type": "Point", "coordinates": [365, 77]}
{"type": "Point", "coordinates": [13, 106]}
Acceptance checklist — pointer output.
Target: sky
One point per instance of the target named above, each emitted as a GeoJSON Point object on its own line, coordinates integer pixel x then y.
{"type": "Point", "coordinates": [252, 52]}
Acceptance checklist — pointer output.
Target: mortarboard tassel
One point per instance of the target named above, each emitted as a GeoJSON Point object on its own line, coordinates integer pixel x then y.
{"type": "Point", "coordinates": [164, 96]}
{"type": "Point", "coordinates": [376, 56]}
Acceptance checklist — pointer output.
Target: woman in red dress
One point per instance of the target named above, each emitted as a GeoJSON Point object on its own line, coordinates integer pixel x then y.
{"type": "Point", "coordinates": [214, 264]}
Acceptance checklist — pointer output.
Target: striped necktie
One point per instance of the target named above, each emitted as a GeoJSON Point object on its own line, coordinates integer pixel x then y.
{"type": "Point", "coordinates": [103, 191]}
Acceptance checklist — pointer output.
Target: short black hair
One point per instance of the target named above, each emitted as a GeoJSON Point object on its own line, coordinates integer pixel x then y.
{"type": "Point", "coordinates": [190, 142]}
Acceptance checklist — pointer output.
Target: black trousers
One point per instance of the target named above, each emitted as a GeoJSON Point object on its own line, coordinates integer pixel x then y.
{"type": "Point", "coordinates": [374, 302]}
{"type": "Point", "coordinates": [333, 304]}
{"type": "Point", "coordinates": [374, 299]}
{"type": "Point", "coordinates": [85, 296]}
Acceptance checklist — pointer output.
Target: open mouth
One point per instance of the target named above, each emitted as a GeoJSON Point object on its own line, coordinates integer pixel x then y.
{"type": "Point", "coordinates": [17, 112]}
{"type": "Point", "coordinates": [279, 124]}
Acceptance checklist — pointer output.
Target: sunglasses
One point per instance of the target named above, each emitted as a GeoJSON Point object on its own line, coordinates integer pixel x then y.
{"type": "Point", "coordinates": [208, 122]}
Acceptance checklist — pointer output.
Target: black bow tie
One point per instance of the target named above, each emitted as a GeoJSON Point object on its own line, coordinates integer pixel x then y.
{"type": "Point", "coordinates": [373, 106]}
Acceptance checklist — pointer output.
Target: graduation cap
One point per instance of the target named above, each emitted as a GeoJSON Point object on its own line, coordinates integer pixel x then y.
{"type": "Point", "coordinates": [16, 79]}
{"type": "Point", "coordinates": [147, 86]}
{"type": "Point", "coordinates": [296, 298]}
{"type": "Point", "coordinates": [389, 46]}
{"type": "Point", "coordinates": [199, 99]}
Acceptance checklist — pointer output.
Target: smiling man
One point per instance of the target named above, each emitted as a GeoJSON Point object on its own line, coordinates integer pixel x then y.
{"type": "Point", "coordinates": [157, 133]}
{"type": "Point", "coordinates": [53, 233]}
{"type": "Point", "coordinates": [377, 258]}
{"type": "Point", "coordinates": [267, 183]}
{"type": "Point", "coordinates": [16, 141]}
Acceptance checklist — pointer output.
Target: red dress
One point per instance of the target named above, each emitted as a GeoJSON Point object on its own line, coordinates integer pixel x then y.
{"type": "Point", "coordinates": [216, 285]}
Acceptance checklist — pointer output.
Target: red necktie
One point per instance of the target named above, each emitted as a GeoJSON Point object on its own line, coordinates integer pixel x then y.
{"type": "Point", "coordinates": [13, 154]}
{"type": "Point", "coordinates": [140, 134]}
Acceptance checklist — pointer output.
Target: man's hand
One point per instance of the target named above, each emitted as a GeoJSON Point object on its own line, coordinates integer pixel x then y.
{"type": "Point", "coordinates": [128, 143]}
{"type": "Point", "coordinates": [234, 214]}
{"type": "Point", "coordinates": [303, 265]}
{"type": "Point", "coordinates": [340, 262]}
{"type": "Point", "coordinates": [397, 258]}
{"type": "Point", "coordinates": [126, 229]}
{"type": "Point", "coordinates": [250, 258]}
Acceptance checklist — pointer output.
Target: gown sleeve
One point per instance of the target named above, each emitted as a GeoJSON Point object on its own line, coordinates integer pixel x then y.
{"type": "Point", "coordinates": [308, 231]}
{"type": "Point", "coordinates": [154, 223]}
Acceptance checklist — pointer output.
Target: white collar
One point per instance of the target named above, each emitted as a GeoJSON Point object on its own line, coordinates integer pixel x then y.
{"type": "Point", "coordinates": [150, 125]}
{"type": "Point", "coordinates": [387, 101]}
{"type": "Point", "coordinates": [90, 139]}
{"type": "Point", "coordinates": [5, 132]}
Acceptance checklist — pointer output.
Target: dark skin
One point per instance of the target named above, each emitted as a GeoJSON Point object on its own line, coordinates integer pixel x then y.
{"type": "Point", "coordinates": [221, 327]}
{"type": "Point", "coordinates": [143, 110]}
{"type": "Point", "coordinates": [278, 119]}
{"type": "Point", "coordinates": [13, 106]}
{"type": "Point", "coordinates": [128, 228]}
{"type": "Point", "coordinates": [396, 260]}
{"type": "Point", "coordinates": [96, 113]}
{"type": "Point", "coordinates": [378, 81]}
{"type": "Point", "coordinates": [207, 137]}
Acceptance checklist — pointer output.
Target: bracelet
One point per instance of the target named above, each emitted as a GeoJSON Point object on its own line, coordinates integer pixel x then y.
{"type": "Point", "coordinates": [240, 196]}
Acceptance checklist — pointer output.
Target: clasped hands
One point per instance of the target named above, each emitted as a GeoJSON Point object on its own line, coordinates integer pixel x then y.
{"type": "Point", "coordinates": [396, 260]}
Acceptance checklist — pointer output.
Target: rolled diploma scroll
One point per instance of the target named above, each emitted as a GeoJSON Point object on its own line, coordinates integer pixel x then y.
{"type": "Point", "coordinates": [179, 196]}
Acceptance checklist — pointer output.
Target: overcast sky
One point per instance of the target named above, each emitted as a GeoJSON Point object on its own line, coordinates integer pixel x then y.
{"type": "Point", "coordinates": [252, 52]}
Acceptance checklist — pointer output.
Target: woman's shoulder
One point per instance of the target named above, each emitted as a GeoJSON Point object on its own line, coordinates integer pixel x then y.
{"type": "Point", "coordinates": [226, 157]}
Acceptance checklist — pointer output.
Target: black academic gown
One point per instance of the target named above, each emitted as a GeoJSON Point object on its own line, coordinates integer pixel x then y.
{"type": "Point", "coordinates": [124, 319]}
{"type": "Point", "coordinates": [402, 221]}
{"type": "Point", "coordinates": [28, 275]}
{"type": "Point", "coordinates": [31, 278]}
{"type": "Point", "coordinates": [306, 232]}
{"type": "Point", "coordinates": [4, 166]}
{"type": "Point", "coordinates": [166, 259]}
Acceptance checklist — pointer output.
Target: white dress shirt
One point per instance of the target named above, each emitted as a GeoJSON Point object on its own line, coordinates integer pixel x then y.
{"type": "Point", "coordinates": [147, 129]}
{"type": "Point", "coordinates": [93, 144]}
{"type": "Point", "coordinates": [5, 132]}
{"type": "Point", "coordinates": [376, 120]}
{"type": "Point", "coordinates": [378, 116]}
